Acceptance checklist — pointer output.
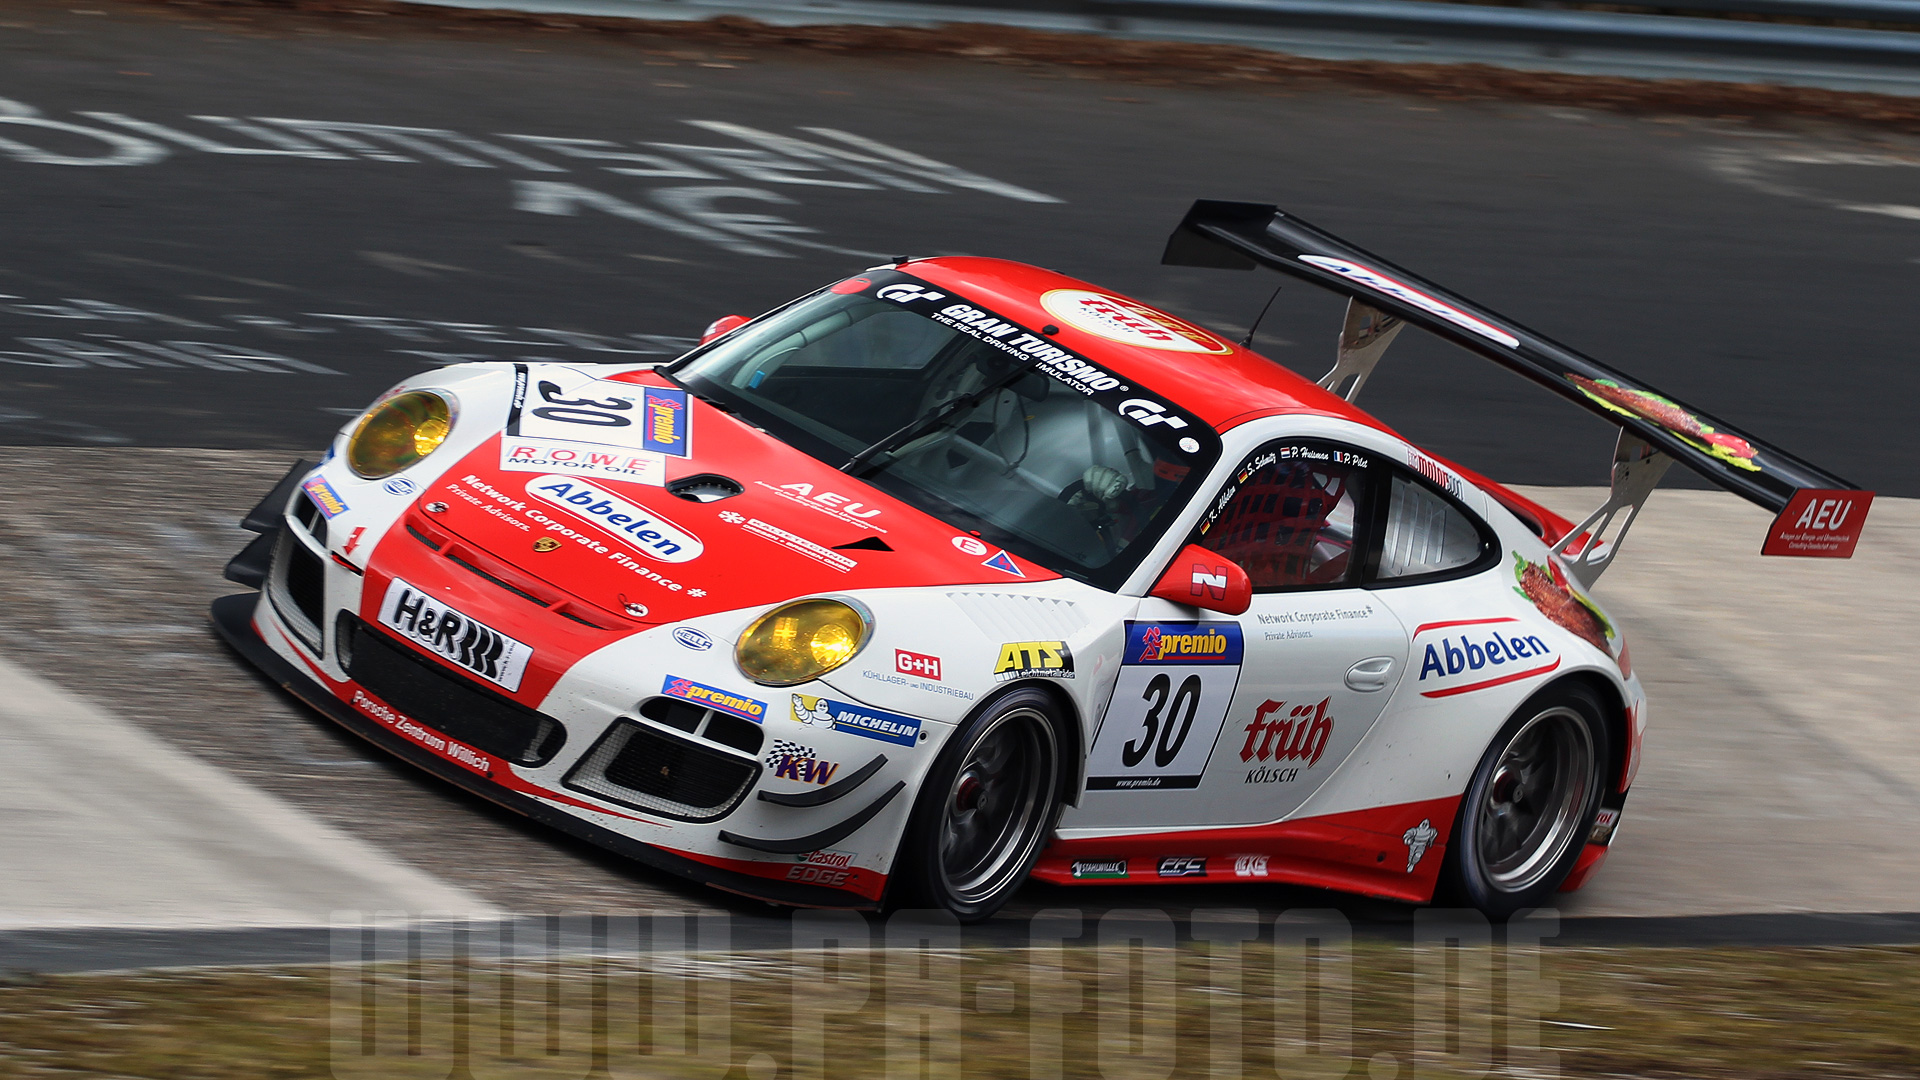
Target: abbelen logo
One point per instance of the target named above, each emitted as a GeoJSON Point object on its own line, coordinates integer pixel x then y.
{"type": "Point", "coordinates": [1148, 413]}
{"type": "Point", "coordinates": [648, 533]}
{"type": "Point", "coordinates": [907, 294]}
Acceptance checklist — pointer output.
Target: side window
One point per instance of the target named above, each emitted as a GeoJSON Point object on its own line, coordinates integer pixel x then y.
{"type": "Point", "coordinates": [1424, 533]}
{"type": "Point", "coordinates": [1290, 516]}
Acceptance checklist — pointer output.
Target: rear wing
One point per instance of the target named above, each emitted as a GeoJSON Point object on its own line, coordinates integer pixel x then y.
{"type": "Point", "coordinates": [1816, 512]}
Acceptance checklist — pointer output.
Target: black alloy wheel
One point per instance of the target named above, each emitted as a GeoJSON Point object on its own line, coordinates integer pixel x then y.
{"type": "Point", "coordinates": [1526, 815]}
{"type": "Point", "coordinates": [986, 808]}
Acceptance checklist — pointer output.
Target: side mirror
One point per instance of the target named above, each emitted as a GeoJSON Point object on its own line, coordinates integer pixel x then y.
{"type": "Point", "coordinates": [1205, 580]}
{"type": "Point", "coordinates": [722, 326]}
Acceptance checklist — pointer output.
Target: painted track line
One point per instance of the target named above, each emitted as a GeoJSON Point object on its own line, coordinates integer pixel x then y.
{"type": "Point", "coordinates": [104, 825]}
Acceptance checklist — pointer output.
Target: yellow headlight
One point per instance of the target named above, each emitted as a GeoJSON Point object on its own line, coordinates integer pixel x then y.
{"type": "Point", "coordinates": [399, 432]}
{"type": "Point", "coordinates": [800, 641]}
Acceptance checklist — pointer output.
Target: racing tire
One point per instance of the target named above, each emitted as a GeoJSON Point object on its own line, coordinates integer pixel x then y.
{"type": "Point", "coordinates": [986, 808]}
{"type": "Point", "coordinates": [1532, 802]}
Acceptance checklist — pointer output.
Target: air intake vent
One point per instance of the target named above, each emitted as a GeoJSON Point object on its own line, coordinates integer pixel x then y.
{"type": "Point", "coordinates": [448, 703]}
{"type": "Point", "coordinates": [705, 488]}
{"type": "Point", "coordinates": [656, 769]}
{"type": "Point", "coordinates": [1018, 617]}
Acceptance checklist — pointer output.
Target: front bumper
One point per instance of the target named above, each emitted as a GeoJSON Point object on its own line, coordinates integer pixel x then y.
{"type": "Point", "coordinates": [233, 617]}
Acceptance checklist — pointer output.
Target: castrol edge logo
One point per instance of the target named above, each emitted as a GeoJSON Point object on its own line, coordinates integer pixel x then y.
{"type": "Point", "coordinates": [1119, 319]}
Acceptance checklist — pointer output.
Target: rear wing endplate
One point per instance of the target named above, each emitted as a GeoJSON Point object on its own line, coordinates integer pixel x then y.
{"type": "Point", "coordinates": [1816, 512]}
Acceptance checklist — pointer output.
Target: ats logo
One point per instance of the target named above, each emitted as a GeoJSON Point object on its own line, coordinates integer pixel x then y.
{"type": "Point", "coordinates": [1296, 734]}
{"type": "Point", "coordinates": [1051, 659]}
{"type": "Point", "coordinates": [667, 427]}
{"type": "Point", "coordinates": [913, 663]}
{"type": "Point", "coordinates": [1465, 655]}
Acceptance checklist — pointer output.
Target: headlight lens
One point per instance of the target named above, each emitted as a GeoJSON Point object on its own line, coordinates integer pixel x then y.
{"type": "Point", "coordinates": [802, 640]}
{"type": "Point", "coordinates": [399, 432]}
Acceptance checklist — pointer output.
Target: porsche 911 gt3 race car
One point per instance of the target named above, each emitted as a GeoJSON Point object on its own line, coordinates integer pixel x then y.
{"type": "Point", "coordinates": [960, 571]}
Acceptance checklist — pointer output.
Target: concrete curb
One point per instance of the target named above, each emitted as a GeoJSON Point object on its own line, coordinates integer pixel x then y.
{"type": "Point", "coordinates": [105, 824]}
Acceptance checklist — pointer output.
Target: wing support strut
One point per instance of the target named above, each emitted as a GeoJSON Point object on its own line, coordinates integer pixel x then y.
{"type": "Point", "coordinates": [1363, 341]}
{"type": "Point", "coordinates": [1588, 548]}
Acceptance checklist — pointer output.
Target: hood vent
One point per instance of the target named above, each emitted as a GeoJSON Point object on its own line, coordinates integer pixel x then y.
{"type": "Point", "coordinates": [871, 543]}
{"type": "Point", "coordinates": [705, 488]}
{"type": "Point", "coordinates": [1018, 617]}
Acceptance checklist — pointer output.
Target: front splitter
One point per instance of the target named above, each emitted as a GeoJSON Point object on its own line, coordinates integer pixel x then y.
{"type": "Point", "coordinates": [233, 618]}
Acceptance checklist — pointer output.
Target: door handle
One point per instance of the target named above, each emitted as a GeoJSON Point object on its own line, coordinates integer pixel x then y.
{"type": "Point", "coordinates": [1373, 673]}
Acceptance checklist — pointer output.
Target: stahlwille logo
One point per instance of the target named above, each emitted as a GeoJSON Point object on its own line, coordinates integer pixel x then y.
{"type": "Point", "coordinates": [1100, 868]}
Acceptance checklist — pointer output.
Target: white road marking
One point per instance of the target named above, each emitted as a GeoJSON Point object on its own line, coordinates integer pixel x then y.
{"type": "Point", "coordinates": [102, 824]}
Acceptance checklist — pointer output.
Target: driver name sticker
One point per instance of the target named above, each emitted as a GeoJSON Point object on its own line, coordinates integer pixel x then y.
{"type": "Point", "coordinates": [1129, 322]}
{"type": "Point", "coordinates": [1038, 348]}
{"type": "Point", "coordinates": [1169, 704]}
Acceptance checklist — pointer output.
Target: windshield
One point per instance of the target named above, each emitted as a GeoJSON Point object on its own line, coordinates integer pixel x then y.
{"type": "Point", "coordinates": [978, 421]}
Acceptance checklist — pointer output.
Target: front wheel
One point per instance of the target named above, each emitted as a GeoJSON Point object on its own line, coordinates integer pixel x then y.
{"type": "Point", "coordinates": [1532, 802]}
{"type": "Point", "coordinates": [985, 809]}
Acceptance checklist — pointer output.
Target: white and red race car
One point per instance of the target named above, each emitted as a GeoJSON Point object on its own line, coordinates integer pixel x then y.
{"type": "Point", "coordinates": [960, 571]}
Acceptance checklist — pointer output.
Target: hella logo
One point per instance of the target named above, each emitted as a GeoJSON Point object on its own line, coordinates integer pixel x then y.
{"type": "Point", "coordinates": [693, 639]}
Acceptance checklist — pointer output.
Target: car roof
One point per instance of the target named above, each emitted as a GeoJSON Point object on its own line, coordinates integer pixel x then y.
{"type": "Point", "coordinates": [1213, 378]}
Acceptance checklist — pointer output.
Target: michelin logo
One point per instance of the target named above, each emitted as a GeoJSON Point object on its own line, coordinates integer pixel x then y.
{"type": "Point", "coordinates": [857, 719]}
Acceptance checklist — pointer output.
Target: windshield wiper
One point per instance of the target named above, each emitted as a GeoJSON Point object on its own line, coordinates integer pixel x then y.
{"type": "Point", "coordinates": [919, 426]}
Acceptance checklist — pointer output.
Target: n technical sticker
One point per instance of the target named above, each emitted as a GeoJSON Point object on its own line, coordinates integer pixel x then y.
{"type": "Point", "coordinates": [459, 638]}
{"type": "Point", "coordinates": [1169, 703]}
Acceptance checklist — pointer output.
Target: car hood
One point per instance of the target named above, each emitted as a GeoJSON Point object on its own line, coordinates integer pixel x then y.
{"type": "Point", "coordinates": [574, 520]}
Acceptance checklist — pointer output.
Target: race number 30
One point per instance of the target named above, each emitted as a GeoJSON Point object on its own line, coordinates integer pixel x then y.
{"type": "Point", "coordinates": [1176, 681]}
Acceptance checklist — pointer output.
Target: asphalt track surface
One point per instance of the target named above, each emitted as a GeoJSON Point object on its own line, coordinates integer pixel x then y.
{"type": "Point", "coordinates": [194, 295]}
{"type": "Point", "coordinates": [1765, 275]}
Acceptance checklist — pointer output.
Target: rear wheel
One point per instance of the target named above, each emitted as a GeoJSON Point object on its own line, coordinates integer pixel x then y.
{"type": "Point", "coordinates": [986, 808]}
{"type": "Point", "coordinates": [1532, 802]}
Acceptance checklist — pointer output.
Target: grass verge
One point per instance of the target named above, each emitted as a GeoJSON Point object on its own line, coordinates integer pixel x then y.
{"type": "Point", "coordinates": [1373, 1010]}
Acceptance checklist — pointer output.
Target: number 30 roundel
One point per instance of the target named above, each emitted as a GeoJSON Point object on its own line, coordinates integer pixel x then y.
{"type": "Point", "coordinates": [1176, 681]}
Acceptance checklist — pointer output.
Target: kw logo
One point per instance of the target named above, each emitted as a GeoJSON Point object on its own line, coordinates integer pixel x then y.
{"type": "Point", "coordinates": [793, 761]}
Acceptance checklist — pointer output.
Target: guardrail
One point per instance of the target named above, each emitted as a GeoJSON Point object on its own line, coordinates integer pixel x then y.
{"type": "Point", "coordinates": [1566, 26]}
